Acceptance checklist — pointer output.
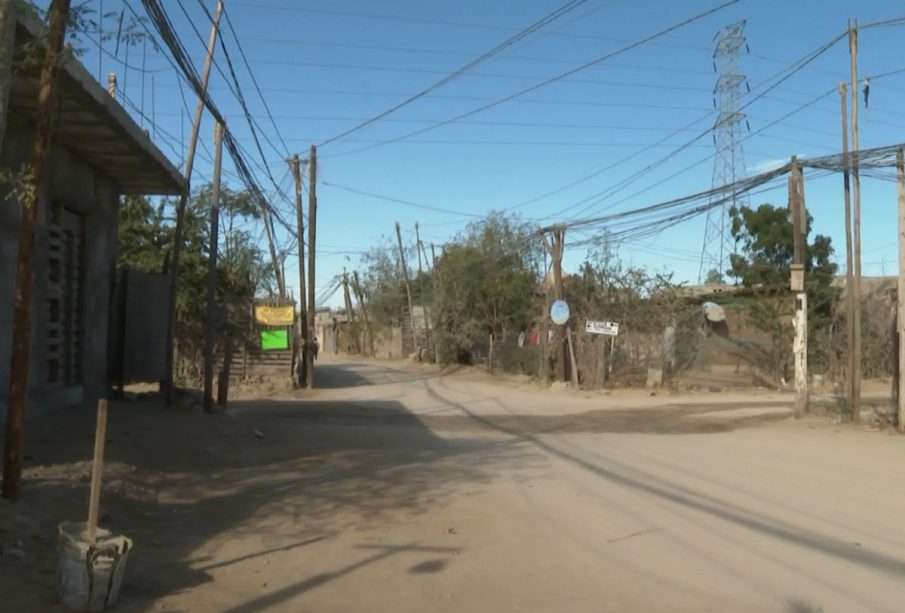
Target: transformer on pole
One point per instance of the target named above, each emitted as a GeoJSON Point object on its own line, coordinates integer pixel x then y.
{"type": "Point", "coordinates": [729, 164]}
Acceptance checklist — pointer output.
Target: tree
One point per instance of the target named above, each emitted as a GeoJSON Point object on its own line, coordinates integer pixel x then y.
{"type": "Point", "coordinates": [144, 237]}
{"type": "Point", "coordinates": [714, 277]}
{"type": "Point", "coordinates": [642, 301]}
{"type": "Point", "coordinates": [382, 284]}
{"type": "Point", "coordinates": [489, 280]}
{"type": "Point", "coordinates": [766, 239]}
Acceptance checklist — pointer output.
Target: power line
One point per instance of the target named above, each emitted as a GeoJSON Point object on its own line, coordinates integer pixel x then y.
{"type": "Point", "coordinates": [417, 205]}
{"type": "Point", "coordinates": [553, 79]}
{"type": "Point", "coordinates": [420, 20]}
{"type": "Point", "coordinates": [779, 77]}
{"type": "Point", "coordinates": [254, 79]}
{"type": "Point", "coordinates": [450, 52]}
{"type": "Point", "coordinates": [651, 218]}
{"type": "Point", "coordinates": [537, 25]}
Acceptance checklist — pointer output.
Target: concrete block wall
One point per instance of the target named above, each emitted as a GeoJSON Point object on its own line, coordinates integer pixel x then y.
{"type": "Point", "coordinates": [78, 187]}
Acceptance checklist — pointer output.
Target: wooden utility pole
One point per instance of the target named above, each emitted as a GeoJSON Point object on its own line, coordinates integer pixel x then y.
{"type": "Point", "coordinates": [274, 258]}
{"type": "Point", "coordinates": [572, 363]}
{"type": "Point", "coordinates": [364, 311]}
{"type": "Point", "coordinates": [437, 288]}
{"type": "Point", "coordinates": [900, 319]}
{"type": "Point", "coordinates": [427, 319]}
{"type": "Point", "coordinates": [22, 311]}
{"type": "Point", "coordinates": [347, 298]}
{"type": "Point", "coordinates": [856, 184]}
{"type": "Point", "coordinates": [312, 241]}
{"type": "Point", "coordinates": [295, 165]}
{"type": "Point", "coordinates": [7, 45]}
{"type": "Point", "coordinates": [408, 287]}
{"type": "Point", "coordinates": [210, 322]}
{"type": "Point", "coordinates": [849, 272]}
{"type": "Point", "coordinates": [169, 388]}
{"type": "Point", "coordinates": [799, 229]}
{"type": "Point", "coordinates": [562, 341]}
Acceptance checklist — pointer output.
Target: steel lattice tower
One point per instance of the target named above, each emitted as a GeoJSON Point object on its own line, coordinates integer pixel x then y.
{"type": "Point", "coordinates": [729, 164]}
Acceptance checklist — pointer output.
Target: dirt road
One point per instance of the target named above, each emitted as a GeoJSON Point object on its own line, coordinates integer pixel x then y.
{"type": "Point", "coordinates": [397, 488]}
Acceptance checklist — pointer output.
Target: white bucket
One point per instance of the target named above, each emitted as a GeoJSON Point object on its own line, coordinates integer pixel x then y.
{"type": "Point", "coordinates": [90, 575]}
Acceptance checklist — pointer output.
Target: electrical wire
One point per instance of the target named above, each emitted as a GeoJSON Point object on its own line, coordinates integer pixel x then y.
{"type": "Point", "coordinates": [534, 27]}
{"type": "Point", "coordinates": [551, 80]}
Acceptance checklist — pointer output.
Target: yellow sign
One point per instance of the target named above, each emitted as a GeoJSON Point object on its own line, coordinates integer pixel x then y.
{"type": "Point", "coordinates": [275, 316]}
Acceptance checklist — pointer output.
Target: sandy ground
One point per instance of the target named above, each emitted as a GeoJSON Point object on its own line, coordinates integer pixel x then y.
{"type": "Point", "coordinates": [400, 488]}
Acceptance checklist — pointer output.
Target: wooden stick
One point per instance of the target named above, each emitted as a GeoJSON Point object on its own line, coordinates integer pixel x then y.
{"type": "Point", "coordinates": [96, 469]}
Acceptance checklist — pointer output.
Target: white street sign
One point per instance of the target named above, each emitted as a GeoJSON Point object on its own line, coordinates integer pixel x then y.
{"type": "Point", "coordinates": [601, 327]}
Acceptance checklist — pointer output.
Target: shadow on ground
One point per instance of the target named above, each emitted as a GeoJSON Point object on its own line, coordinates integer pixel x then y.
{"type": "Point", "coordinates": [340, 375]}
{"type": "Point", "coordinates": [185, 486]}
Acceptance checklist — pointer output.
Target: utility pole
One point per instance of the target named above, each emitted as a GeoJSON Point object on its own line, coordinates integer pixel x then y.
{"type": "Point", "coordinates": [274, 258]}
{"type": "Point", "coordinates": [408, 287]}
{"type": "Point", "coordinates": [437, 287]}
{"type": "Point", "coordinates": [20, 354]}
{"type": "Point", "coordinates": [312, 241]}
{"type": "Point", "coordinates": [799, 229]}
{"type": "Point", "coordinates": [427, 319]}
{"type": "Point", "coordinates": [347, 298]}
{"type": "Point", "coordinates": [211, 318]}
{"type": "Point", "coordinates": [849, 272]}
{"type": "Point", "coordinates": [364, 311]}
{"type": "Point", "coordinates": [900, 315]}
{"type": "Point", "coordinates": [856, 184]}
{"type": "Point", "coordinates": [350, 313]}
{"type": "Point", "coordinates": [295, 165]}
{"type": "Point", "coordinates": [564, 352]}
{"type": "Point", "coordinates": [556, 266]}
{"type": "Point", "coordinates": [169, 388]}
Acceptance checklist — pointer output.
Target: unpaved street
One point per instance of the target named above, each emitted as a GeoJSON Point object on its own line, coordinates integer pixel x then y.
{"type": "Point", "coordinates": [398, 488]}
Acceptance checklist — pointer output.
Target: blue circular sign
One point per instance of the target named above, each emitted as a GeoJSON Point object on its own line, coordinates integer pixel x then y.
{"type": "Point", "coordinates": [559, 312]}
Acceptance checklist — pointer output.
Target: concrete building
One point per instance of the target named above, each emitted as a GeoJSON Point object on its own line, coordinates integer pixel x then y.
{"type": "Point", "coordinates": [98, 154]}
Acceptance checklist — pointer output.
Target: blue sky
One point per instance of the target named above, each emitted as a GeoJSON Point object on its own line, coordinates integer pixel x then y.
{"type": "Point", "coordinates": [324, 66]}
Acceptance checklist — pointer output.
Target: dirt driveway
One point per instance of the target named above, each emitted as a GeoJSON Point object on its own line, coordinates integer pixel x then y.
{"type": "Point", "coordinates": [398, 488]}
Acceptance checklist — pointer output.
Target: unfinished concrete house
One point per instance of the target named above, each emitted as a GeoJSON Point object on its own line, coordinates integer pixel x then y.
{"type": "Point", "coordinates": [98, 154]}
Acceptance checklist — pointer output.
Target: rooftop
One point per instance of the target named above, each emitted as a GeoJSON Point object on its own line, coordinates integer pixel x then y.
{"type": "Point", "coordinates": [93, 124]}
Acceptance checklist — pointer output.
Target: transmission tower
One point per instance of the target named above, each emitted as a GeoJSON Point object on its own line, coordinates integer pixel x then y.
{"type": "Point", "coordinates": [729, 164]}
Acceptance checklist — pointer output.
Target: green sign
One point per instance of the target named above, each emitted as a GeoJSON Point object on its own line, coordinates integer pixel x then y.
{"type": "Point", "coordinates": [274, 339]}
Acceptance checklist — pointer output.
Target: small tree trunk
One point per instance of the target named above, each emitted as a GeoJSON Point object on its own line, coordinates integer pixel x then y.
{"type": "Point", "coordinates": [7, 43]}
{"type": "Point", "coordinates": [21, 346]}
